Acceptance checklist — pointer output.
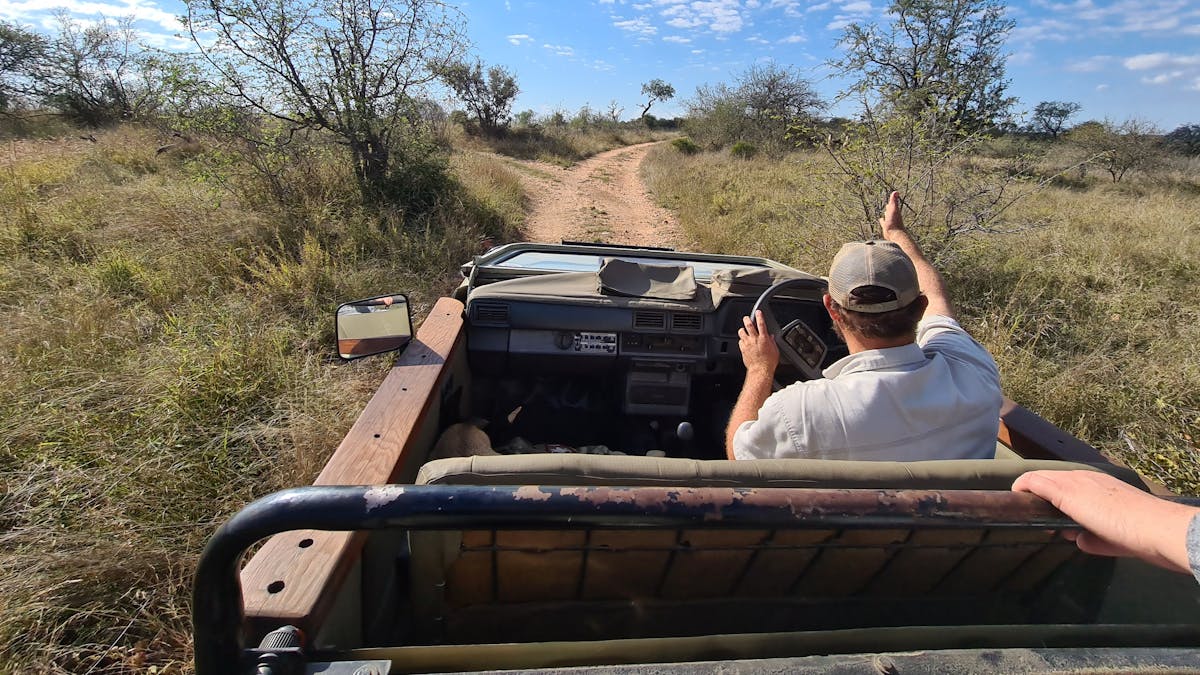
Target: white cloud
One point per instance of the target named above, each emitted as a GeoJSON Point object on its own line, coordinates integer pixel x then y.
{"type": "Point", "coordinates": [720, 16]}
{"type": "Point", "coordinates": [1021, 58]}
{"type": "Point", "coordinates": [677, 39]}
{"type": "Point", "coordinates": [1091, 64]}
{"type": "Point", "coordinates": [793, 39]}
{"type": "Point", "coordinates": [758, 40]}
{"type": "Point", "coordinates": [561, 50]}
{"type": "Point", "coordinates": [639, 26]}
{"type": "Point", "coordinates": [519, 38]}
{"type": "Point", "coordinates": [838, 24]}
{"type": "Point", "coordinates": [1152, 17]}
{"type": "Point", "coordinates": [37, 9]}
{"type": "Point", "coordinates": [1160, 60]}
{"type": "Point", "coordinates": [1101, 87]}
{"type": "Point", "coordinates": [857, 7]}
{"type": "Point", "coordinates": [1163, 78]}
{"type": "Point", "coordinates": [697, 51]}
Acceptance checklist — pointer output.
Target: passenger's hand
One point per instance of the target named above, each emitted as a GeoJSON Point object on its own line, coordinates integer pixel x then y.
{"type": "Point", "coordinates": [1118, 519]}
{"type": "Point", "coordinates": [759, 351]}
{"type": "Point", "coordinates": [891, 223]}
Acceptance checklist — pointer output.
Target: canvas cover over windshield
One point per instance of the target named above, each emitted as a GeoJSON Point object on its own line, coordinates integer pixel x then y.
{"type": "Point", "coordinates": [639, 280]}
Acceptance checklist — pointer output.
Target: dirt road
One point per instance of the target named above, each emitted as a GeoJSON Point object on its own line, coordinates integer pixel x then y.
{"type": "Point", "coordinates": [599, 199]}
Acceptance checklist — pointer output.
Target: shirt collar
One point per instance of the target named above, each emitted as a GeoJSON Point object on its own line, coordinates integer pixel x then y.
{"type": "Point", "coordinates": [876, 359]}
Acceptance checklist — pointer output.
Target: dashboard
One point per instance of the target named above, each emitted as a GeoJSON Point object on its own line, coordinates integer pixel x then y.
{"type": "Point", "coordinates": [656, 351]}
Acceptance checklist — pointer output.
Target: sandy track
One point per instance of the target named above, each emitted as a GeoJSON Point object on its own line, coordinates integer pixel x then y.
{"type": "Point", "coordinates": [599, 199]}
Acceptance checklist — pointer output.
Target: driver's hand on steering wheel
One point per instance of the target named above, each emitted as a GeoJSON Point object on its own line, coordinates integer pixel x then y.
{"type": "Point", "coordinates": [759, 351]}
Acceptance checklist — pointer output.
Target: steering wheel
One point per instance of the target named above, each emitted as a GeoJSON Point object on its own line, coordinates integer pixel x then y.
{"type": "Point", "coordinates": [799, 344]}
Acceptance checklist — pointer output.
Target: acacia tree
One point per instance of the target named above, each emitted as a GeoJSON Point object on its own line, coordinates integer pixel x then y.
{"type": "Point", "coordinates": [766, 102]}
{"type": "Point", "coordinates": [488, 98]}
{"type": "Point", "coordinates": [352, 67]}
{"type": "Point", "coordinates": [1118, 148]}
{"type": "Point", "coordinates": [20, 52]}
{"type": "Point", "coordinates": [656, 90]}
{"type": "Point", "coordinates": [1051, 117]}
{"type": "Point", "coordinates": [98, 74]}
{"type": "Point", "coordinates": [940, 58]}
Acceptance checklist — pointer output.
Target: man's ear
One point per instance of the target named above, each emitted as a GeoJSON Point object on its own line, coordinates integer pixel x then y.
{"type": "Point", "coordinates": [827, 300]}
{"type": "Point", "coordinates": [922, 301]}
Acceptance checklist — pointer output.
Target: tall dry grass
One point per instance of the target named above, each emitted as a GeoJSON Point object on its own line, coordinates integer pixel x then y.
{"type": "Point", "coordinates": [167, 357]}
{"type": "Point", "coordinates": [1090, 305]}
{"type": "Point", "coordinates": [563, 145]}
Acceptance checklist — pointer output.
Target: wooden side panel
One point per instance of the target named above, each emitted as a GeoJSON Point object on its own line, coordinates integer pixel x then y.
{"type": "Point", "coordinates": [536, 565]}
{"type": "Point", "coordinates": [1034, 437]}
{"type": "Point", "coordinates": [850, 562]}
{"type": "Point", "coordinates": [307, 577]}
{"type": "Point", "coordinates": [926, 559]}
{"type": "Point", "coordinates": [626, 564]}
{"type": "Point", "coordinates": [710, 563]}
{"type": "Point", "coordinates": [1040, 566]}
{"type": "Point", "coordinates": [774, 570]}
{"type": "Point", "coordinates": [1000, 553]}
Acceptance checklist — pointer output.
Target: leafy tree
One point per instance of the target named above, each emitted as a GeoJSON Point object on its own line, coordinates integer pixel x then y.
{"type": "Point", "coordinates": [1118, 148]}
{"type": "Point", "coordinates": [656, 90]}
{"type": "Point", "coordinates": [20, 52]}
{"type": "Point", "coordinates": [765, 103]}
{"type": "Point", "coordinates": [939, 59]}
{"type": "Point", "coordinates": [1051, 117]}
{"type": "Point", "coordinates": [351, 67]}
{"type": "Point", "coordinates": [98, 74]}
{"type": "Point", "coordinates": [1185, 139]}
{"type": "Point", "coordinates": [488, 97]}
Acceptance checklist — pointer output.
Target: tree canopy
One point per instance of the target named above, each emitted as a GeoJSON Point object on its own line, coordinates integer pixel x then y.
{"type": "Point", "coordinates": [656, 90]}
{"type": "Point", "coordinates": [939, 58]}
{"type": "Point", "coordinates": [1051, 117]}
{"type": "Point", "coordinates": [352, 67]}
{"type": "Point", "coordinates": [764, 104]}
{"type": "Point", "coordinates": [489, 98]}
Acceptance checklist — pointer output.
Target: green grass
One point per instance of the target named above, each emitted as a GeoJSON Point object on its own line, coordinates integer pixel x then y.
{"type": "Point", "coordinates": [167, 357]}
{"type": "Point", "coordinates": [1090, 306]}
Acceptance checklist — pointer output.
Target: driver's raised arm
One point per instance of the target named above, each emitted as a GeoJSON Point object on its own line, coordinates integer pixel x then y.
{"type": "Point", "coordinates": [931, 282]}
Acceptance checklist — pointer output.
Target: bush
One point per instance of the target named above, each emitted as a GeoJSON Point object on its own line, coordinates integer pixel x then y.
{"type": "Point", "coordinates": [685, 145]}
{"type": "Point", "coordinates": [743, 150]}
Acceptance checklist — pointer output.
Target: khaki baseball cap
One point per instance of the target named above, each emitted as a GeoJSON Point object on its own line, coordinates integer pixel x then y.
{"type": "Point", "coordinates": [873, 263]}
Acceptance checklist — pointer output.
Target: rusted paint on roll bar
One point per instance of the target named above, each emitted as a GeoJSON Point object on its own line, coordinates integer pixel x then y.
{"type": "Point", "coordinates": [217, 612]}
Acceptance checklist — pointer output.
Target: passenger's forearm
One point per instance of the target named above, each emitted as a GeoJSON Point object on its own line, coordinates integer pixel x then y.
{"type": "Point", "coordinates": [932, 284]}
{"type": "Point", "coordinates": [755, 392]}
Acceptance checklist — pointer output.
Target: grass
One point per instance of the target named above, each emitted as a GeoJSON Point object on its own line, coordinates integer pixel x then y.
{"type": "Point", "coordinates": [1090, 306]}
{"type": "Point", "coordinates": [167, 358]}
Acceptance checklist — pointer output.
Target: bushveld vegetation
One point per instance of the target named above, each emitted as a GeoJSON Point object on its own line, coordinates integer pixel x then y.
{"type": "Point", "coordinates": [168, 356]}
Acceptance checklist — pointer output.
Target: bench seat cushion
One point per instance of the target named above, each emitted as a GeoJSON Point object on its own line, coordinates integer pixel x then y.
{"type": "Point", "coordinates": [579, 470]}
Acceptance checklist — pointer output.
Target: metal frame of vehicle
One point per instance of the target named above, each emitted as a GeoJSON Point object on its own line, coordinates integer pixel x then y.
{"type": "Point", "coordinates": [315, 577]}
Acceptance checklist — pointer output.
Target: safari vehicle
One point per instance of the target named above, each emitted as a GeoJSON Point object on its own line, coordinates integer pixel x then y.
{"type": "Point", "coordinates": [600, 527]}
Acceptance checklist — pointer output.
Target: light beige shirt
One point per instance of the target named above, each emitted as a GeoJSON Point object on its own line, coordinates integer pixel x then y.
{"type": "Point", "coordinates": [936, 399]}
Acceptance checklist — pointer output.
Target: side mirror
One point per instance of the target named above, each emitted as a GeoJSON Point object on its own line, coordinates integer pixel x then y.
{"type": "Point", "coordinates": [373, 326]}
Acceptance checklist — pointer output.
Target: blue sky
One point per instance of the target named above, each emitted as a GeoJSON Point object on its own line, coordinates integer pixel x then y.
{"type": "Point", "coordinates": [1117, 59]}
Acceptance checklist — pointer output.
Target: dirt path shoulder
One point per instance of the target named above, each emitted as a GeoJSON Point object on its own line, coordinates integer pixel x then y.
{"type": "Point", "coordinates": [599, 199]}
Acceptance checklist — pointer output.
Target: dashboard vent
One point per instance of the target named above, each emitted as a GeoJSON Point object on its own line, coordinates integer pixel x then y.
{"type": "Point", "coordinates": [687, 322]}
{"type": "Point", "coordinates": [491, 312]}
{"type": "Point", "coordinates": [650, 320]}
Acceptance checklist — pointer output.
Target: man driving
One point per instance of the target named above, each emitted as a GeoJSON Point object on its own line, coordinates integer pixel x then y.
{"type": "Point", "coordinates": [914, 387]}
